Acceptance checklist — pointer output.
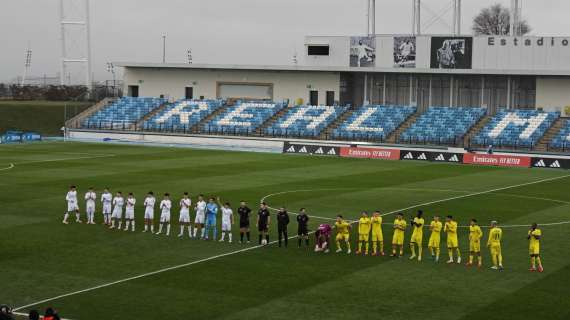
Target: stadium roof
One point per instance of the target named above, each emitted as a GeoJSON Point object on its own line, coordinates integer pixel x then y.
{"type": "Point", "coordinates": [159, 65]}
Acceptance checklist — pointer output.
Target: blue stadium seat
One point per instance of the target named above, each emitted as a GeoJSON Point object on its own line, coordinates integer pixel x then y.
{"type": "Point", "coordinates": [372, 122]}
{"type": "Point", "coordinates": [516, 128]}
{"type": "Point", "coordinates": [562, 139]}
{"type": "Point", "coordinates": [305, 121]}
{"type": "Point", "coordinates": [442, 124]}
{"type": "Point", "coordinates": [123, 112]}
{"type": "Point", "coordinates": [242, 118]}
{"type": "Point", "coordinates": [181, 115]}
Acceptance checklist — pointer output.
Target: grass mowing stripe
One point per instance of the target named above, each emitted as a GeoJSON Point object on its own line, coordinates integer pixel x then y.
{"type": "Point", "coordinates": [273, 242]}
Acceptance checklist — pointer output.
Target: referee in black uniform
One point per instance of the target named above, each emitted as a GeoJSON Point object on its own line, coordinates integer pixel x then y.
{"type": "Point", "coordinates": [244, 212]}
{"type": "Point", "coordinates": [303, 229]}
{"type": "Point", "coordinates": [263, 221]}
{"type": "Point", "coordinates": [282, 222]}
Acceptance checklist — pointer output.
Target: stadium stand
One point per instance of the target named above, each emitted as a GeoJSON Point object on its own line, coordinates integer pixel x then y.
{"type": "Point", "coordinates": [242, 118]}
{"type": "Point", "coordinates": [181, 115]}
{"type": "Point", "coordinates": [442, 125]}
{"type": "Point", "coordinates": [562, 140]}
{"type": "Point", "coordinates": [124, 112]}
{"type": "Point", "coordinates": [372, 122]}
{"type": "Point", "coordinates": [516, 128]}
{"type": "Point", "coordinates": [305, 121]}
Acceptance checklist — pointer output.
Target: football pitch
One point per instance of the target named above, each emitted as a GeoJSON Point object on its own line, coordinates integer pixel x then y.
{"type": "Point", "coordinates": [91, 272]}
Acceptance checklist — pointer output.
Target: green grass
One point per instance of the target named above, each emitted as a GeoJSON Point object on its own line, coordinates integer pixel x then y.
{"type": "Point", "coordinates": [41, 258]}
{"type": "Point", "coordinates": [45, 117]}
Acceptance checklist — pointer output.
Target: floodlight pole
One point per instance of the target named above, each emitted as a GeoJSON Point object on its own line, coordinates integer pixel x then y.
{"type": "Point", "coordinates": [416, 17]}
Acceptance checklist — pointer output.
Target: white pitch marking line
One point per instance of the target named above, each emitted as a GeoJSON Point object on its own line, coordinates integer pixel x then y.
{"type": "Point", "coordinates": [442, 200]}
{"type": "Point", "coordinates": [26, 315]}
{"type": "Point", "coordinates": [260, 246]}
{"type": "Point", "coordinates": [11, 166]}
{"type": "Point", "coordinates": [64, 159]}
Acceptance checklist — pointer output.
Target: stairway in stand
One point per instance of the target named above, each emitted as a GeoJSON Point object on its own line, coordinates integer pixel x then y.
{"type": "Point", "coordinates": [327, 132]}
{"type": "Point", "coordinates": [475, 129]}
{"type": "Point", "coordinates": [553, 131]}
{"type": "Point", "coordinates": [148, 116]}
{"type": "Point", "coordinates": [403, 127]}
{"type": "Point", "coordinates": [269, 122]}
{"type": "Point", "coordinates": [201, 126]}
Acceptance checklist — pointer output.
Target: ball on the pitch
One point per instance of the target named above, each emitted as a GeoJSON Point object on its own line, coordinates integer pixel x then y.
{"type": "Point", "coordinates": [263, 242]}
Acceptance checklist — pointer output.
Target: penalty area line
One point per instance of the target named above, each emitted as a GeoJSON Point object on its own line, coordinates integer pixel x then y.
{"type": "Point", "coordinates": [261, 246]}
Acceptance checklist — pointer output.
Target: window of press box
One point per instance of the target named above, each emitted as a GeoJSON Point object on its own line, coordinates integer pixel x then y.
{"type": "Point", "coordinates": [318, 50]}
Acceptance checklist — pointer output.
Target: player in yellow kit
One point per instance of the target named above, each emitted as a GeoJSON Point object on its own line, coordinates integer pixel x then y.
{"type": "Point", "coordinates": [494, 244]}
{"type": "Point", "coordinates": [435, 238]}
{"type": "Point", "coordinates": [475, 235]}
{"type": "Point", "coordinates": [377, 236]}
{"type": "Point", "coordinates": [417, 236]}
{"type": "Point", "coordinates": [452, 243]}
{"type": "Point", "coordinates": [364, 225]}
{"type": "Point", "coordinates": [534, 236]}
{"type": "Point", "coordinates": [398, 237]}
{"type": "Point", "coordinates": [342, 233]}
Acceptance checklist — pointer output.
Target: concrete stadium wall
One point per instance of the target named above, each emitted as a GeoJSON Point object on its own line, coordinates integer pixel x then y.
{"type": "Point", "coordinates": [553, 94]}
{"type": "Point", "coordinates": [205, 142]}
{"type": "Point", "coordinates": [286, 84]}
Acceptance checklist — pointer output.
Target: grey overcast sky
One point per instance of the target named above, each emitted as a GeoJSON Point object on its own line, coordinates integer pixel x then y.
{"type": "Point", "coordinates": [224, 31]}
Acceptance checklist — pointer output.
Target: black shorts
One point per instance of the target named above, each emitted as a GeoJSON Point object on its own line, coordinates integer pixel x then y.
{"type": "Point", "coordinates": [244, 224]}
{"type": "Point", "coordinates": [302, 231]}
{"type": "Point", "coordinates": [262, 227]}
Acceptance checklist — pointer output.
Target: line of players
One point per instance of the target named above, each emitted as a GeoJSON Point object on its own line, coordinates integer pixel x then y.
{"type": "Point", "coordinates": [204, 222]}
{"type": "Point", "coordinates": [370, 229]}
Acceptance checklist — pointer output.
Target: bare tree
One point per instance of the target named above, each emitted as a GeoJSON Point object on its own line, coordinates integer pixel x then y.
{"type": "Point", "coordinates": [495, 20]}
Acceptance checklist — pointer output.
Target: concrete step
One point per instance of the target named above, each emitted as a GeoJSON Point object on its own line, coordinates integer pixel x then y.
{"type": "Point", "coordinates": [335, 124]}
{"type": "Point", "coordinates": [403, 127]}
{"type": "Point", "coordinates": [75, 122]}
{"type": "Point", "coordinates": [476, 129]}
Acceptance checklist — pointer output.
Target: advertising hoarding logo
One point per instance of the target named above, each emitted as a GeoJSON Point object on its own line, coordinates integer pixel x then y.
{"type": "Point", "coordinates": [310, 149]}
{"type": "Point", "coordinates": [497, 160]}
{"type": "Point", "coordinates": [370, 153]}
{"type": "Point", "coordinates": [554, 163]}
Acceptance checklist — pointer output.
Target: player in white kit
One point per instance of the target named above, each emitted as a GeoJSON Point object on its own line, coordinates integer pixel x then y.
{"type": "Point", "coordinates": [184, 219]}
{"type": "Point", "coordinates": [165, 206]}
{"type": "Point", "coordinates": [149, 202]}
{"type": "Point", "coordinates": [227, 220]}
{"type": "Point", "coordinates": [90, 198]}
{"type": "Point", "coordinates": [200, 216]}
{"type": "Point", "coordinates": [72, 206]}
{"type": "Point", "coordinates": [107, 200]}
{"type": "Point", "coordinates": [130, 212]}
{"type": "Point", "coordinates": [117, 216]}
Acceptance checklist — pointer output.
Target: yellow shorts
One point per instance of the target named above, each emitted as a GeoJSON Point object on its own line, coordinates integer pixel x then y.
{"type": "Point", "coordinates": [342, 236]}
{"type": "Point", "coordinates": [434, 242]}
{"type": "Point", "coordinates": [377, 236]}
{"type": "Point", "coordinates": [495, 249]}
{"type": "Point", "coordinates": [452, 243]}
{"type": "Point", "coordinates": [417, 238]}
{"type": "Point", "coordinates": [474, 246]}
{"type": "Point", "coordinates": [398, 239]}
{"type": "Point", "coordinates": [363, 236]}
{"type": "Point", "coordinates": [534, 250]}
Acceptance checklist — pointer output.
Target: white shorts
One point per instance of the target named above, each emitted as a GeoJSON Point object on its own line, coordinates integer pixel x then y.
{"type": "Point", "coordinates": [149, 214]}
{"type": "Point", "coordinates": [107, 208]}
{"type": "Point", "coordinates": [226, 226]}
{"type": "Point", "coordinates": [200, 217]}
{"type": "Point", "coordinates": [90, 209]}
{"type": "Point", "coordinates": [165, 218]}
{"type": "Point", "coordinates": [117, 214]}
{"type": "Point", "coordinates": [130, 214]}
{"type": "Point", "coordinates": [184, 217]}
{"type": "Point", "coordinates": [72, 206]}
